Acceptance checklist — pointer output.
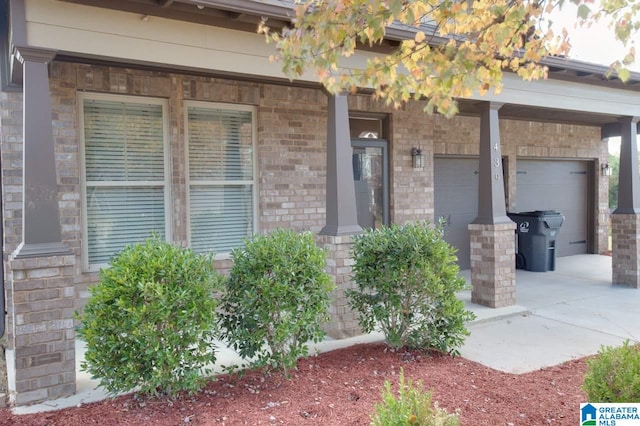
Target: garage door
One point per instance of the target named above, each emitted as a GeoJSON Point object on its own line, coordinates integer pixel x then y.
{"type": "Point", "coordinates": [456, 200]}
{"type": "Point", "coordinates": [561, 186]}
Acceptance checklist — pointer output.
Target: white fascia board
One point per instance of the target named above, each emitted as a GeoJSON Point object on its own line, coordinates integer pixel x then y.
{"type": "Point", "coordinates": [123, 36]}
{"type": "Point", "coordinates": [85, 30]}
{"type": "Point", "coordinates": [566, 95]}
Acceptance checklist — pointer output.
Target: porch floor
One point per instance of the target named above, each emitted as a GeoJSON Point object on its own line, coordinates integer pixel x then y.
{"type": "Point", "coordinates": [563, 314]}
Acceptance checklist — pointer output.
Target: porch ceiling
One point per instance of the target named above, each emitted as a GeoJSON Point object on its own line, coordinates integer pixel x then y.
{"type": "Point", "coordinates": [550, 115]}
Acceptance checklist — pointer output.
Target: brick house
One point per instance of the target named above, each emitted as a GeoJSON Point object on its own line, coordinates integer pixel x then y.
{"type": "Point", "coordinates": [123, 117]}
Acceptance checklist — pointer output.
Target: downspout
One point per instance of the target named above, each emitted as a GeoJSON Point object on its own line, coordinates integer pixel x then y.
{"type": "Point", "coordinates": [5, 80]}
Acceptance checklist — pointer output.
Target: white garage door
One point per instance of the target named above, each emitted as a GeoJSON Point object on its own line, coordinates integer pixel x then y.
{"type": "Point", "coordinates": [562, 186]}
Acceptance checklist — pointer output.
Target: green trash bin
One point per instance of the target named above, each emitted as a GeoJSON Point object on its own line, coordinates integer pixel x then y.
{"type": "Point", "coordinates": [536, 233]}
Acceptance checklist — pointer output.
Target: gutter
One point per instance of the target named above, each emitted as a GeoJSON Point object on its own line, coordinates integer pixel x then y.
{"type": "Point", "coordinates": [278, 9]}
{"type": "Point", "coordinates": [584, 67]}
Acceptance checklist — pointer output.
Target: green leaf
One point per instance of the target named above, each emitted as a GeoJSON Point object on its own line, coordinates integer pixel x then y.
{"type": "Point", "coordinates": [624, 74]}
{"type": "Point", "coordinates": [583, 11]}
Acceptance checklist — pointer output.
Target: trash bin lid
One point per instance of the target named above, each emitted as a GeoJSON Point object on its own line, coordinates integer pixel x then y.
{"type": "Point", "coordinates": [553, 221]}
{"type": "Point", "coordinates": [551, 218]}
{"type": "Point", "coordinates": [540, 213]}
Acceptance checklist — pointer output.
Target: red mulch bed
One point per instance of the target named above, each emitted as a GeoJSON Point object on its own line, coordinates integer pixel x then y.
{"type": "Point", "coordinates": [341, 388]}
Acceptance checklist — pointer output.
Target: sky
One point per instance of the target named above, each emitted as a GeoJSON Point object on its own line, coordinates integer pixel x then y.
{"type": "Point", "coordinates": [595, 44]}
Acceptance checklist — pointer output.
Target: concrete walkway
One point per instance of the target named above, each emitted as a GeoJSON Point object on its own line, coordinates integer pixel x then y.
{"type": "Point", "coordinates": [565, 314]}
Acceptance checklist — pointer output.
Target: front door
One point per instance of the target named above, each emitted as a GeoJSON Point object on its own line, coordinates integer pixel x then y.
{"type": "Point", "coordinates": [370, 176]}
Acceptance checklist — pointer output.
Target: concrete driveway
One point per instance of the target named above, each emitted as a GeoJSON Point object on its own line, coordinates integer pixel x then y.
{"type": "Point", "coordinates": [564, 314]}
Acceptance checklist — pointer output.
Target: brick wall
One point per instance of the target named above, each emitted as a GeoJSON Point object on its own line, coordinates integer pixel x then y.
{"type": "Point", "coordinates": [292, 158]}
{"type": "Point", "coordinates": [11, 140]}
{"type": "Point", "coordinates": [11, 144]}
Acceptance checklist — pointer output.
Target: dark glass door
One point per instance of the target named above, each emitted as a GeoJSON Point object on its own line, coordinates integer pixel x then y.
{"type": "Point", "coordinates": [370, 176]}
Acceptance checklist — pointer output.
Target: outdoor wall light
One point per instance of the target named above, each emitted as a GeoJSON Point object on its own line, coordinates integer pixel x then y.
{"type": "Point", "coordinates": [606, 169]}
{"type": "Point", "coordinates": [418, 159]}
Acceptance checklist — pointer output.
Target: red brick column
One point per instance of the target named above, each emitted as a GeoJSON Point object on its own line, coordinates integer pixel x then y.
{"type": "Point", "coordinates": [625, 250]}
{"type": "Point", "coordinates": [41, 329]}
{"type": "Point", "coordinates": [343, 322]}
{"type": "Point", "coordinates": [493, 270]}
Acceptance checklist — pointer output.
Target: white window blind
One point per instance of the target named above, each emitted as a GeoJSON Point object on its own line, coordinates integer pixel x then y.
{"type": "Point", "coordinates": [124, 162]}
{"type": "Point", "coordinates": [221, 177]}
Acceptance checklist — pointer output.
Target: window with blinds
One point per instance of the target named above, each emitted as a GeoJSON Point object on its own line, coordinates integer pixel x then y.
{"type": "Point", "coordinates": [221, 176]}
{"type": "Point", "coordinates": [124, 173]}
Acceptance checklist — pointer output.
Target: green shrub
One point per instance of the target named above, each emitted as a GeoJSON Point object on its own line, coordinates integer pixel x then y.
{"type": "Point", "coordinates": [406, 281]}
{"type": "Point", "coordinates": [150, 321]}
{"type": "Point", "coordinates": [411, 407]}
{"type": "Point", "coordinates": [276, 298]}
{"type": "Point", "coordinates": [614, 375]}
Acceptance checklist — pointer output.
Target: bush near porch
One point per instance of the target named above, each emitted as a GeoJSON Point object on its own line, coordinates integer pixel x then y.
{"type": "Point", "coordinates": [150, 321]}
{"type": "Point", "coordinates": [406, 283]}
{"type": "Point", "coordinates": [276, 298]}
{"type": "Point", "coordinates": [614, 375]}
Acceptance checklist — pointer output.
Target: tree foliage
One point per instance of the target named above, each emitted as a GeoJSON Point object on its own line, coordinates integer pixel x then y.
{"type": "Point", "coordinates": [458, 47]}
{"type": "Point", "coordinates": [622, 17]}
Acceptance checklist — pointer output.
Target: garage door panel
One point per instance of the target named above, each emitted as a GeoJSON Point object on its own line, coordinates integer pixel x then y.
{"type": "Point", "coordinates": [553, 198]}
{"type": "Point", "coordinates": [456, 200]}
{"type": "Point", "coordinates": [561, 186]}
{"type": "Point", "coordinates": [455, 172]}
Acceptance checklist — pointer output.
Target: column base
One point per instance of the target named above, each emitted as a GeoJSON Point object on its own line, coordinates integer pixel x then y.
{"type": "Point", "coordinates": [343, 321]}
{"type": "Point", "coordinates": [493, 270]}
{"type": "Point", "coordinates": [625, 250]}
{"type": "Point", "coordinates": [41, 329]}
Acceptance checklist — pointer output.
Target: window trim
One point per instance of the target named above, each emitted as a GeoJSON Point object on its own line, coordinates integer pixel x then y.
{"type": "Point", "coordinates": [254, 182]}
{"type": "Point", "coordinates": [164, 103]}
